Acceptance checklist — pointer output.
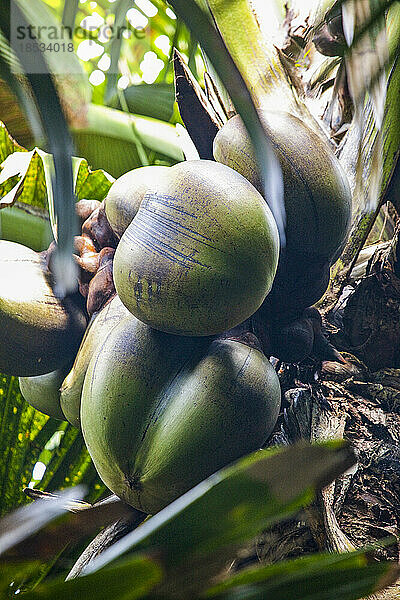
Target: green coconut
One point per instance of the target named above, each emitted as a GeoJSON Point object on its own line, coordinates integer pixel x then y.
{"type": "Point", "coordinates": [316, 192]}
{"type": "Point", "coordinates": [201, 254]}
{"type": "Point", "coordinates": [98, 329]}
{"type": "Point", "coordinates": [126, 194]}
{"type": "Point", "coordinates": [39, 333]}
{"type": "Point", "coordinates": [43, 392]}
{"type": "Point", "coordinates": [160, 413]}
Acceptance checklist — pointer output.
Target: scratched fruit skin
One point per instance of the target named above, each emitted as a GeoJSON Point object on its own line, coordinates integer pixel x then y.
{"type": "Point", "coordinates": [43, 392]}
{"type": "Point", "coordinates": [160, 413]}
{"type": "Point", "coordinates": [201, 253]}
{"type": "Point", "coordinates": [38, 332]}
{"type": "Point", "coordinates": [100, 325]}
{"type": "Point", "coordinates": [126, 194]}
{"type": "Point", "coordinates": [316, 192]}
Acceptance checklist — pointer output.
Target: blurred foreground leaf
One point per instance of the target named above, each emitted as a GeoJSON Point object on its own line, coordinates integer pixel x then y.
{"type": "Point", "coordinates": [183, 547]}
{"type": "Point", "coordinates": [69, 13]}
{"type": "Point", "coordinates": [16, 100]}
{"type": "Point", "coordinates": [121, 8]}
{"type": "Point", "coordinates": [134, 579]}
{"type": "Point", "coordinates": [204, 527]}
{"type": "Point", "coordinates": [65, 68]}
{"type": "Point", "coordinates": [316, 577]}
{"type": "Point", "coordinates": [28, 542]}
{"type": "Point", "coordinates": [18, 526]}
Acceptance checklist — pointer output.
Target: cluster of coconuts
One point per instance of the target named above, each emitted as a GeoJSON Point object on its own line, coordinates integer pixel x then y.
{"type": "Point", "coordinates": [171, 263]}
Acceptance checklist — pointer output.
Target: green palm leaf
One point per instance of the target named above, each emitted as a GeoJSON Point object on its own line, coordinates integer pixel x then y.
{"type": "Point", "coordinates": [109, 140]}
{"type": "Point", "coordinates": [155, 100]}
{"type": "Point", "coordinates": [27, 437]}
{"type": "Point", "coordinates": [202, 528]}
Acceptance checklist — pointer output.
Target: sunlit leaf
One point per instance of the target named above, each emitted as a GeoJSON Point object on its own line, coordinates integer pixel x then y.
{"type": "Point", "coordinates": [29, 175]}
{"type": "Point", "coordinates": [92, 185]}
{"type": "Point", "coordinates": [20, 524]}
{"type": "Point", "coordinates": [7, 144]}
{"type": "Point", "coordinates": [27, 167]}
{"type": "Point", "coordinates": [23, 433]}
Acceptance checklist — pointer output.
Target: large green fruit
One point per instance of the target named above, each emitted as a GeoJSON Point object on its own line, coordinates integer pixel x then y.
{"type": "Point", "coordinates": [201, 254]}
{"type": "Point", "coordinates": [98, 329]}
{"type": "Point", "coordinates": [43, 392]}
{"type": "Point", "coordinates": [160, 413]}
{"type": "Point", "coordinates": [316, 192]}
{"type": "Point", "coordinates": [38, 332]}
{"type": "Point", "coordinates": [126, 194]}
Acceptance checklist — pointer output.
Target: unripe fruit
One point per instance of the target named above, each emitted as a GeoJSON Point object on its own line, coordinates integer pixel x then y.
{"type": "Point", "coordinates": [126, 194]}
{"type": "Point", "coordinates": [38, 332]}
{"type": "Point", "coordinates": [98, 329]}
{"type": "Point", "coordinates": [160, 412]}
{"type": "Point", "coordinates": [43, 392]}
{"type": "Point", "coordinates": [316, 192]}
{"type": "Point", "coordinates": [201, 254]}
